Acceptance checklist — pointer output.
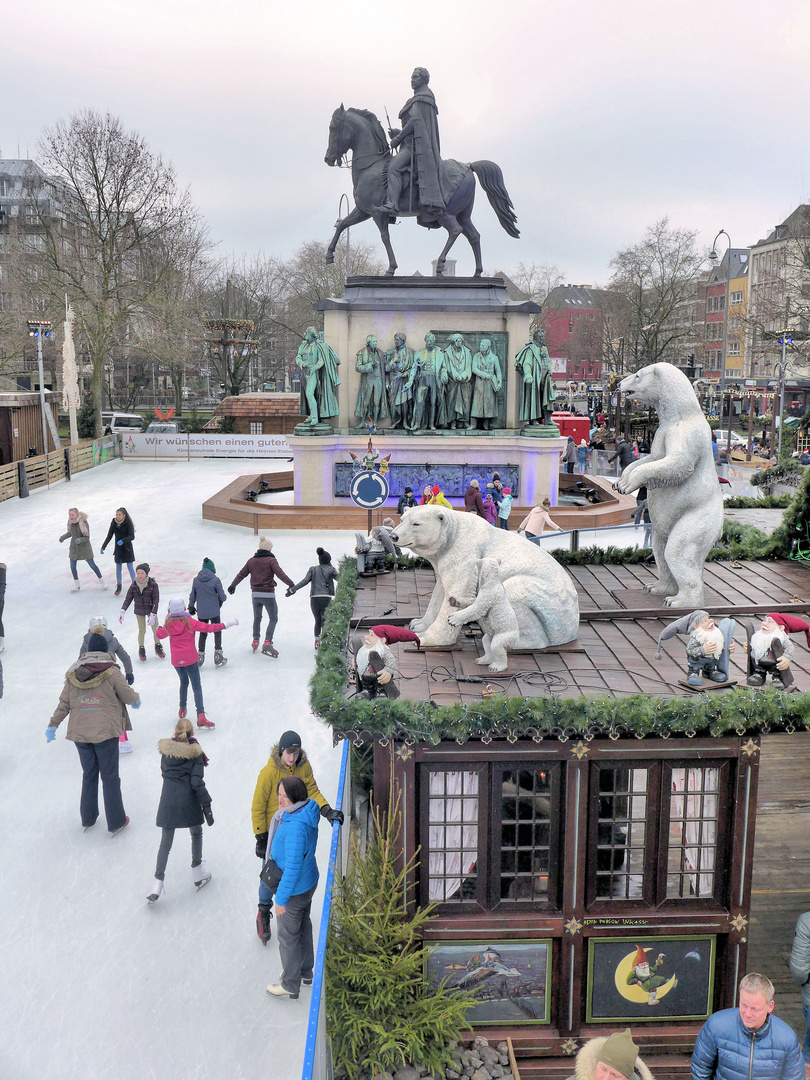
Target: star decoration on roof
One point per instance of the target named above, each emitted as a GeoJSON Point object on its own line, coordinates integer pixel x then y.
{"type": "Point", "coordinates": [404, 753]}
{"type": "Point", "coordinates": [580, 750]}
{"type": "Point", "coordinates": [739, 922]}
{"type": "Point", "coordinates": [749, 748]}
{"type": "Point", "coordinates": [569, 1046]}
{"type": "Point", "coordinates": [573, 926]}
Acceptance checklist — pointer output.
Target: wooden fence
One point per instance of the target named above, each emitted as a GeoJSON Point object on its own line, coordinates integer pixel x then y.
{"type": "Point", "coordinates": [46, 469]}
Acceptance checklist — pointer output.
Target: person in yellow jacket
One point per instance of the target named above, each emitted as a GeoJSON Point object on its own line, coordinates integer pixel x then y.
{"type": "Point", "coordinates": [287, 758]}
{"type": "Point", "coordinates": [437, 497]}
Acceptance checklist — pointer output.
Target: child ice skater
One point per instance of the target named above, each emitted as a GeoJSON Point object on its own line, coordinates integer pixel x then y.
{"type": "Point", "coordinates": [180, 629]}
{"type": "Point", "coordinates": [145, 592]}
{"type": "Point", "coordinates": [184, 802]}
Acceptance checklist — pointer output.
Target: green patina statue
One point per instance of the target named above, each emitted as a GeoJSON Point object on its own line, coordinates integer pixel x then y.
{"type": "Point", "coordinates": [537, 394]}
{"type": "Point", "coordinates": [318, 364]}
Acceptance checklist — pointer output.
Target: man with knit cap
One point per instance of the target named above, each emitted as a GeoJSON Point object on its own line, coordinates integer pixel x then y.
{"type": "Point", "coordinates": [749, 1042]}
{"type": "Point", "coordinates": [287, 758]}
{"type": "Point", "coordinates": [263, 569]}
{"type": "Point", "coordinates": [612, 1057]}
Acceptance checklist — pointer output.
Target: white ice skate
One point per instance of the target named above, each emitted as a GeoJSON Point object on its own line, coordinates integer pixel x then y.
{"type": "Point", "coordinates": [102, 583]}
{"type": "Point", "coordinates": [76, 587]}
{"type": "Point", "coordinates": [200, 875]}
{"type": "Point", "coordinates": [2, 644]}
{"type": "Point", "coordinates": [125, 747]}
{"type": "Point", "coordinates": [157, 890]}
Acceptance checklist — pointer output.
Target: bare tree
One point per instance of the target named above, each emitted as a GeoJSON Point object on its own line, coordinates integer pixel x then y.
{"type": "Point", "coordinates": [537, 280]}
{"type": "Point", "coordinates": [116, 231]}
{"type": "Point", "coordinates": [647, 310]}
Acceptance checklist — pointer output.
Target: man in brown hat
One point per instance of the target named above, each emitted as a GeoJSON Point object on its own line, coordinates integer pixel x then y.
{"type": "Point", "coordinates": [614, 1057]}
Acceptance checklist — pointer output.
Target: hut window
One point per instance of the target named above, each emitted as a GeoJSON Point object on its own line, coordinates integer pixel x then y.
{"type": "Point", "coordinates": [621, 833]}
{"type": "Point", "coordinates": [693, 818]}
{"type": "Point", "coordinates": [525, 798]}
{"type": "Point", "coordinates": [453, 836]}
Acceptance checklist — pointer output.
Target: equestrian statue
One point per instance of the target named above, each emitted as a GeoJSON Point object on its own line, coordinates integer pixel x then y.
{"type": "Point", "coordinates": [415, 181]}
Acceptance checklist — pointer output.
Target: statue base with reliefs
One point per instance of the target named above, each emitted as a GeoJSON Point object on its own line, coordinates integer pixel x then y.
{"type": "Point", "coordinates": [539, 431]}
{"type": "Point", "coordinates": [313, 429]}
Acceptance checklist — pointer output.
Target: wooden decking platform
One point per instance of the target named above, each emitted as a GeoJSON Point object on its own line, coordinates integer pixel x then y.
{"type": "Point", "coordinates": [615, 649]}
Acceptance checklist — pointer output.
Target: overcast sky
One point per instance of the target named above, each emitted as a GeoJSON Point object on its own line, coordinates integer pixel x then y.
{"type": "Point", "coordinates": [604, 115]}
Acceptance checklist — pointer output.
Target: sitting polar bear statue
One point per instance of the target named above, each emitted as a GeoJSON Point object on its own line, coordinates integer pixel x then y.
{"type": "Point", "coordinates": [683, 494]}
{"type": "Point", "coordinates": [489, 606]}
{"type": "Point", "coordinates": [541, 593]}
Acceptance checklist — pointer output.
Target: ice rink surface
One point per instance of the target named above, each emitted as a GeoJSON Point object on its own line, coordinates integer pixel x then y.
{"type": "Point", "coordinates": [96, 983]}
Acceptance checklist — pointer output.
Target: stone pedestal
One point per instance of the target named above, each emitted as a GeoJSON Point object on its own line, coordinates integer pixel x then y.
{"type": "Point", "coordinates": [475, 307]}
{"type": "Point", "coordinates": [537, 459]}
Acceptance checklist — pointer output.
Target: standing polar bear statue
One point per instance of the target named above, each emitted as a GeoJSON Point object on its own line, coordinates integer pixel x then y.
{"type": "Point", "coordinates": [683, 493]}
{"type": "Point", "coordinates": [540, 592]}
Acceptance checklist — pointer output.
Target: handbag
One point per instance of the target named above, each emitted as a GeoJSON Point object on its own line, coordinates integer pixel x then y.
{"type": "Point", "coordinates": [270, 875]}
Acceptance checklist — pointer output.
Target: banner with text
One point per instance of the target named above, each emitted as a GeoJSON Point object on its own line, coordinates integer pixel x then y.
{"type": "Point", "coordinates": [205, 444]}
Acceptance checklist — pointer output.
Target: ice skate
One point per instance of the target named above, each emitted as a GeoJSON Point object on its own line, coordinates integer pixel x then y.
{"type": "Point", "coordinates": [118, 589]}
{"type": "Point", "coordinates": [200, 875]}
{"type": "Point", "coordinates": [219, 659]}
{"type": "Point", "coordinates": [317, 644]}
{"type": "Point", "coordinates": [76, 586]}
{"type": "Point", "coordinates": [200, 658]}
{"type": "Point", "coordinates": [268, 650]}
{"type": "Point", "coordinates": [115, 832]}
{"type": "Point", "coordinates": [263, 917]}
{"type": "Point", "coordinates": [202, 722]}
{"type": "Point", "coordinates": [159, 651]}
{"type": "Point", "coordinates": [277, 990]}
{"type": "Point", "coordinates": [2, 644]}
{"type": "Point", "coordinates": [142, 653]}
{"type": "Point", "coordinates": [157, 890]}
{"type": "Point", "coordinates": [102, 583]}
{"type": "Point", "coordinates": [182, 712]}
{"type": "Point", "coordinates": [125, 747]}
{"type": "Point", "coordinates": [255, 644]}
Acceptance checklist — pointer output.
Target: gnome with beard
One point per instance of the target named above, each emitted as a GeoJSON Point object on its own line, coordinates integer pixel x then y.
{"type": "Point", "coordinates": [708, 647]}
{"type": "Point", "coordinates": [770, 650]}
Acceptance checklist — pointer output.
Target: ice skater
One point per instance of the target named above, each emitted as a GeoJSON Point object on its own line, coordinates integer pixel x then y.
{"type": "Point", "coordinates": [263, 569]}
{"type": "Point", "coordinates": [205, 601]}
{"type": "Point", "coordinates": [145, 592]}
{"type": "Point", "coordinates": [122, 531]}
{"type": "Point", "coordinates": [78, 532]}
{"type": "Point", "coordinates": [95, 696]}
{"type": "Point", "coordinates": [180, 629]}
{"type": "Point", "coordinates": [98, 625]}
{"type": "Point", "coordinates": [184, 802]}
{"type": "Point", "coordinates": [287, 758]}
{"type": "Point", "coordinates": [321, 579]}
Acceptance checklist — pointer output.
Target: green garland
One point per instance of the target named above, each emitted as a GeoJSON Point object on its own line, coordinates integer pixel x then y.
{"type": "Point", "coordinates": [769, 502]}
{"type": "Point", "coordinates": [738, 712]}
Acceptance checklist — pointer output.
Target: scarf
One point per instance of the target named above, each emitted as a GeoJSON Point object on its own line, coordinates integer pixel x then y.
{"type": "Point", "coordinates": [276, 821]}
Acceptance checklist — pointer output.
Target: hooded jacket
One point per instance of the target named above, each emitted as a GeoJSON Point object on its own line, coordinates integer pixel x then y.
{"type": "Point", "coordinates": [321, 579]}
{"type": "Point", "coordinates": [585, 1068]}
{"type": "Point", "coordinates": [207, 594]}
{"type": "Point", "coordinates": [95, 695]}
{"type": "Point", "coordinates": [727, 1050]}
{"type": "Point", "coordinates": [146, 597]}
{"type": "Point", "coordinates": [184, 792]}
{"type": "Point", "coordinates": [265, 795]}
{"type": "Point", "coordinates": [79, 534]}
{"type": "Point", "coordinates": [473, 503]}
{"type": "Point", "coordinates": [114, 646]}
{"type": "Point", "coordinates": [180, 630]}
{"type": "Point", "coordinates": [121, 530]}
{"type": "Point", "coordinates": [263, 569]}
{"type": "Point", "coordinates": [293, 851]}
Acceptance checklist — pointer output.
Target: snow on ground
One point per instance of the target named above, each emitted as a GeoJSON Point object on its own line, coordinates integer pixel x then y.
{"type": "Point", "coordinates": [97, 984]}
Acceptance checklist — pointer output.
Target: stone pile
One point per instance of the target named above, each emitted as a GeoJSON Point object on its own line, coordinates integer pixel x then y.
{"type": "Point", "coordinates": [480, 1061]}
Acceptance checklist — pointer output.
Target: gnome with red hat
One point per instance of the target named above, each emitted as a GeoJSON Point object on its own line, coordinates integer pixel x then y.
{"type": "Point", "coordinates": [770, 649]}
{"type": "Point", "coordinates": [644, 975]}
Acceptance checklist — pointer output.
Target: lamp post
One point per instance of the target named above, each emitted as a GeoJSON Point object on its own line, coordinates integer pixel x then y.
{"type": "Point", "coordinates": [347, 230]}
{"type": "Point", "coordinates": [38, 329]}
{"type": "Point", "coordinates": [714, 259]}
{"type": "Point", "coordinates": [785, 339]}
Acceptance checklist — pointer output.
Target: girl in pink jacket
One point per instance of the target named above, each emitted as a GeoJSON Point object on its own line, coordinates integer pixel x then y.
{"type": "Point", "coordinates": [180, 629]}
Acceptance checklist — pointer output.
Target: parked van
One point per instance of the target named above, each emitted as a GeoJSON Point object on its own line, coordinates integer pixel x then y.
{"type": "Point", "coordinates": [122, 421]}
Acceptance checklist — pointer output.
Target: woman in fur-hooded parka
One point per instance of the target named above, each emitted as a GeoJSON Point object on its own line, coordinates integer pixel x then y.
{"type": "Point", "coordinates": [184, 792]}
{"type": "Point", "coordinates": [589, 1055]}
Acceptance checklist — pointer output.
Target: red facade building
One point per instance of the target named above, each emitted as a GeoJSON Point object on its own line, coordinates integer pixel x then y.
{"type": "Point", "coordinates": [572, 321]}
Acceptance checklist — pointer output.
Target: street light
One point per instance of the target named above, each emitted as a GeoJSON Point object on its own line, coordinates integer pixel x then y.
{"type": "Point", "coordinates": [347, 230]}
{"type": "Point", "coordinates": [785, 339]}
{"type": "Point", "coordinates": [40, 328]}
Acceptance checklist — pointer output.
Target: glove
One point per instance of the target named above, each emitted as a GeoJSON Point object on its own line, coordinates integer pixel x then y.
{"type": "Point", "coordinates": [209, 817]}
{"type": "Point", "coordinates": [101, 551]}
{"type": "Point", "coordinates": [130, 678]}
{"type": "Point", "coordinates": [331, 815]}
{"type": "Point", "coordinates": [120, 543]}
{"type": "Point", "coordinates": [231, 622]}
{"type": "Point", "coordinates": [152, 619]}
{"type": "Point", "coordinates": [121, 615]}
{"type": "Point", "coordinates": [231, 589]}
{"type": "Point", "coordinates": [191, 609]}
{"type": "Point", "coordinates": [62, 539]}
{"type": "Point", "coordinates": [137, 704]}
{"type": "Point", "coordinates": [50, 735]}
{"type": "Point", "coordinates": [261, 844]}
{"type": "Point", "coordinates": [290, 591]}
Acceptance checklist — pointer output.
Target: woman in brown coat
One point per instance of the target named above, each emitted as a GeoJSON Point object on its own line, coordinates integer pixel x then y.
{"type": "Point", "coordinates": [95, 697]}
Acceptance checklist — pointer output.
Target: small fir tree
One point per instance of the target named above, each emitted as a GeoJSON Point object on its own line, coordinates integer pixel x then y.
{"type": "Point", "coordinates": [380, 1008]}
{"type": "Point", "coordinates": [86, 418]}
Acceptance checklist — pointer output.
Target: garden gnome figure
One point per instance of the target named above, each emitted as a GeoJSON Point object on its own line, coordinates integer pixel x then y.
{"type": "Point", "coordinates": [708, 647]}
{"type": "Point", "coordinates": [644, 975]}
{"type": "Point", "coordinates": [769, 653]}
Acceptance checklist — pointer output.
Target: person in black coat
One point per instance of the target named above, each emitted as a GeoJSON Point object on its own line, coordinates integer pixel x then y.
{"type": "Point", "coordinates": [123, 532]}
{"type": "Point", "coordinates": [184, 802]}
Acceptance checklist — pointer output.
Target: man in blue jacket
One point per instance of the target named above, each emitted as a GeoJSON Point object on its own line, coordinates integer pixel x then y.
{"type": "Point", "coordinates": [748, 1043]}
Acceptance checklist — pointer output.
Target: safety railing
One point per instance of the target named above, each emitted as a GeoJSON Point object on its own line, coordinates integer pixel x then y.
{"type": "Point", "coordinates": [19, 477]}
{"type": "Point", "coordinates": [629, 535]}
{"type": "Point", "coordinates": [317, 1053]}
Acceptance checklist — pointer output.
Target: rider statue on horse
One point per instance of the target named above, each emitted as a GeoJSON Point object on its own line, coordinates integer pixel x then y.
{"type": "Point", "coordinates": [419, 154]}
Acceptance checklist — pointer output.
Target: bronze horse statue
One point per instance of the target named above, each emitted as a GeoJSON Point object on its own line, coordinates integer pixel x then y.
{"type": "Point", "coordinates": [361, 132]}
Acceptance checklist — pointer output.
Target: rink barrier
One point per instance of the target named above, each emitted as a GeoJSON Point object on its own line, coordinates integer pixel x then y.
{"type": "Point", "coordinates": [18, 477]}
{"type": "Point", "coordinates": [317, 1052]}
